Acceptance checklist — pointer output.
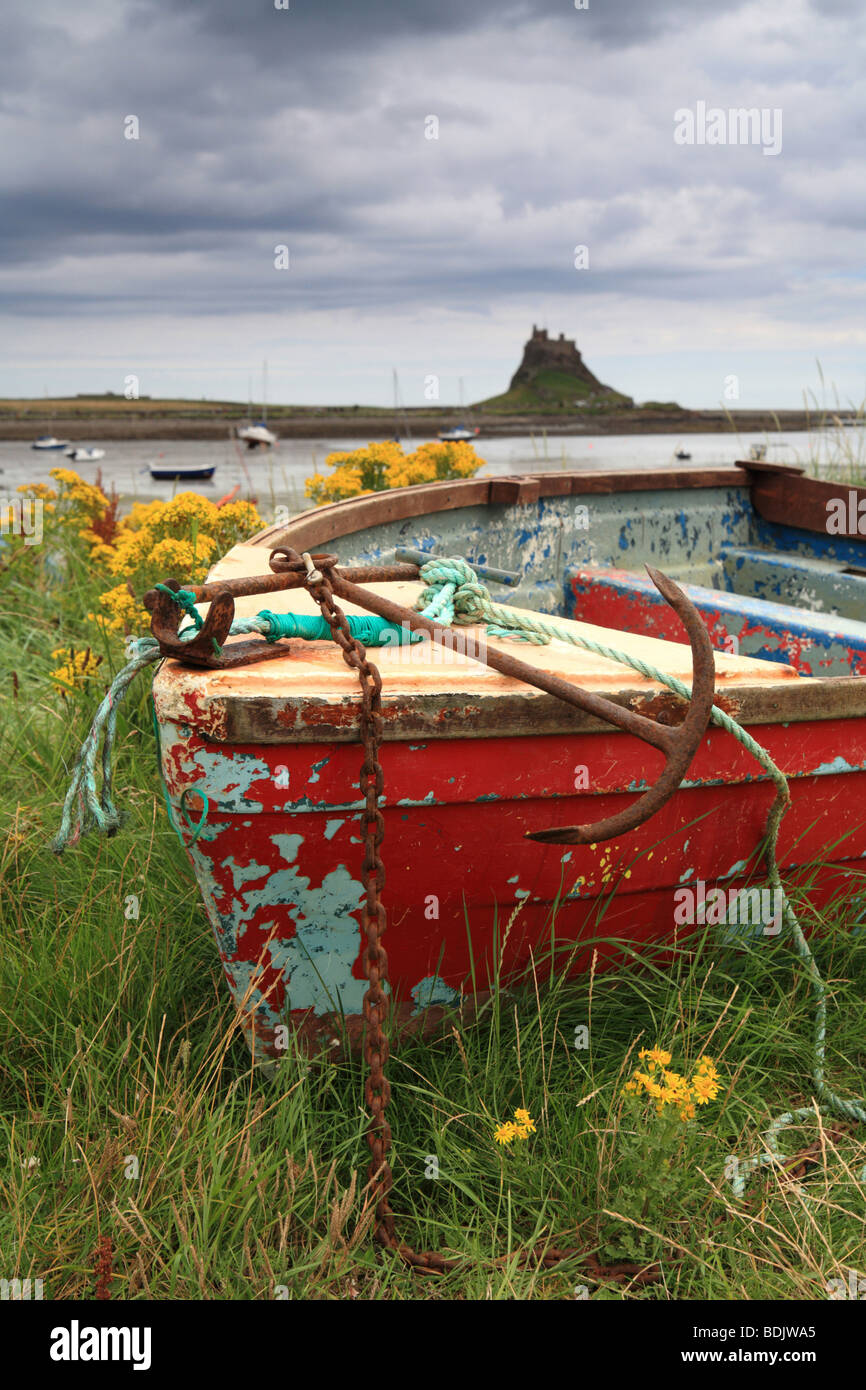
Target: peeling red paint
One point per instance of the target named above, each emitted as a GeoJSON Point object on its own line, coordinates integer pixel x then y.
{"type": "Point", "coordinates": [465, 843]}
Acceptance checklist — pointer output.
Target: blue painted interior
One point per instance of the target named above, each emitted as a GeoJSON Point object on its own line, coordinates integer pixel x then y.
{"type": "Point", "coordinates": [792, 584]}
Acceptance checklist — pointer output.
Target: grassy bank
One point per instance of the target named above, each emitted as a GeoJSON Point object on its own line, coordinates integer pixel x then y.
{"type": "Point", "coordinates": [130, 1113]}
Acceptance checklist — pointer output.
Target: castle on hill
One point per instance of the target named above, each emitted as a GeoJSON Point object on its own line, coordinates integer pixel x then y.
{"type": "Point", "coordinates": [542, 353]}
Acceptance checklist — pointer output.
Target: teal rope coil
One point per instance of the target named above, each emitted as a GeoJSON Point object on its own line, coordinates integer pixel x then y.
{"type": "Point", "coordinates": [83, 808]}
{"type": "Point", "coordinates": [454, 592]}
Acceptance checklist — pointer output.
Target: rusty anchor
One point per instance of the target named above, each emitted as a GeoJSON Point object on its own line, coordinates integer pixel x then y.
{"type": "Point", "coordinates": [290, 570]}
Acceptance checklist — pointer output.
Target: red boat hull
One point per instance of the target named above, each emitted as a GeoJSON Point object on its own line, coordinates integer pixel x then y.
{"type": "Point", "coordinates": [279, 857]}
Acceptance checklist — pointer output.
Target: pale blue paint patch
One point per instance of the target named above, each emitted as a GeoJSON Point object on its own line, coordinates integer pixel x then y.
{"type": "Point", "coordinates": [228, 779]}
{"type": "Point", "coordinates": [738, 868]}
{"type": "Point", "coordinates": [245, 873]}
{"type": "Point", "coordinates": [429, 799]}
{"type": "Point", "coordinates": [316, 769]}
{"type": "Point", "coordinates": [432, 990]}
{"type": "Point", "coordinates": [687, 873]}
{"type": "Point", "coordinates": [566, 858]}
{"type": "Point", "coordinates": [317, 962]}
{"type": "Point", "coordinates": [521, 892]}
{"type": "Point", "coordinates": [332, 826]}
{"type": "Point", "coordinates": [514, 879]}
{"type": "Point", "coordinates": [838, 764]}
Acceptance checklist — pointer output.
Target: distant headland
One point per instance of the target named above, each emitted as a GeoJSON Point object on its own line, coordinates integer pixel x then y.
{"type": "Point", "coordinates": [552, 390]}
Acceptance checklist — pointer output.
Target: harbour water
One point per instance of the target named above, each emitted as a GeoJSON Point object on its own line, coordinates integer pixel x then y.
{"type": "Point", "coordinates": [277, 477]}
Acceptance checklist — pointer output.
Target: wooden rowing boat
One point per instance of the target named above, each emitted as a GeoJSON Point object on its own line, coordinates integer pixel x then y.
{"type": "Point", "coordinates": [474, 760]}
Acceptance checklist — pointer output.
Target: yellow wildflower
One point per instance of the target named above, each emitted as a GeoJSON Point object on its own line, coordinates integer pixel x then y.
{"type": "Point", "coordinates": [40, 490]}
{"type": "Point", "coordinates": [525, 1124]}
{"type": "Point", "coordinates": [656, 1056]}
{"type": "Point", "coordinates": [125, 614]}
{"type": "Point", "coordinates": [78, 498]}
{"type": "Point", "coordinates": [704, 1089]}
{"type": "Point", "coordinates": [505, 1134]}
{"type": "Point", "coordinates": [383, 465]}
{"type": "Point", "coordinates": [77, 669]}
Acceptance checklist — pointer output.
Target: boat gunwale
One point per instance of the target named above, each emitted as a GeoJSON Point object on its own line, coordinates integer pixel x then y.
{"type": "Point", "coordinates": [317, 526]}
{"type": "Point", "coordinates": [432, 715]}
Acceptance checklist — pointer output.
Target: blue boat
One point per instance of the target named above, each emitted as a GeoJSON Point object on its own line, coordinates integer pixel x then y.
{"type": "Point", "coordinates": [193, 473]}
{"type": "Point", "coordinates": [774, 561]}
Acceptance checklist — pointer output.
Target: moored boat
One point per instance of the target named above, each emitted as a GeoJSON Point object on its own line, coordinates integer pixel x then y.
{"type": "Point", "coordinates": [458, 433]}
{"type": "Point", "coordinates": [49, 443]}
{"type": "Point", "coordinates": [475, 760]}
{"type": "Point", "coordinates": [191, 473]}
{"type": "Point", "coordinates": [81, 454]}
{"type": "Point", "coordinates": [257, 436]}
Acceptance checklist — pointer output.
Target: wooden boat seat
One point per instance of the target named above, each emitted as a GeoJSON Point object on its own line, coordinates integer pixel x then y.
{"type": "Point", "coordinates": [829, 586]}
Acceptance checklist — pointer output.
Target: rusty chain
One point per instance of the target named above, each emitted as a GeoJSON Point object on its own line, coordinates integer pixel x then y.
{"type": "Point", "coordinates": [376, 1005]}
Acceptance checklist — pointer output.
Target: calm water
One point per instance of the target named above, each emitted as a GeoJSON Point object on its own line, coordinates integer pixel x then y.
{"type": "Point", "coordinates": [279, 476]}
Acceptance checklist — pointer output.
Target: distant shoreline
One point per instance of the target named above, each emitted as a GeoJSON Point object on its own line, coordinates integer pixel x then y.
{"type": "Point", "coordinates": [197, 422]}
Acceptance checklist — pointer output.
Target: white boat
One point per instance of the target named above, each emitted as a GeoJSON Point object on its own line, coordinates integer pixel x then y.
{"type": "Point", "coordinates": [79, 454]}
{"type": "Point", "coordinates": [257, 436]}
{"type": "Point", "coordinates": [47, 441]}
{"type": "Point", "coordinates": [459, 432]}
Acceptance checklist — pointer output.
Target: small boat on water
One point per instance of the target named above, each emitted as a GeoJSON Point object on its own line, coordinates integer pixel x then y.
{"type": "Point", "coordinates": [476, 760]}
{"type": "Point", "coordinates": [257, 436]}
{"type": "Point", "coordinates": [181, 472]}
{"type": "Point", "coordinates": [48, 443]}
{"type": "Point", "coordinates": [79, 454]}
{"type": "Point", "coordinates": [682, 454]}
{"type": "Point", "coordinates": [459, 432]}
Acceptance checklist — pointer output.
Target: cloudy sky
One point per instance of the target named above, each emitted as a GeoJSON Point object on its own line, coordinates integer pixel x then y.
{"type": "Point", "coordinates": [308, 127]}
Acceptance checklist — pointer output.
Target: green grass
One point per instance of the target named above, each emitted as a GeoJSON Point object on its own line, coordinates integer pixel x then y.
{"type": "Point", "coordinates": [118, 1041]}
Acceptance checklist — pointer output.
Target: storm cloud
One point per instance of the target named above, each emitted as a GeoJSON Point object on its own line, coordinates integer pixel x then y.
{"type": "Point", "coordinates": [310, 127]}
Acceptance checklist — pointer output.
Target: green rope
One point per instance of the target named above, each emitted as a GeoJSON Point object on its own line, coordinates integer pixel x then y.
{"type": "Point", "coordinates": [372, 631]}
{"type": "Point", "coordinates": [83, 808]}
{"type": "Point", "coordinates": [455, 594]}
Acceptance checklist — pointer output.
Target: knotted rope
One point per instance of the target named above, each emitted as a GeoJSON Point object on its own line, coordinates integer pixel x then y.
{"type": "Point", "coordinates": [455, 594]}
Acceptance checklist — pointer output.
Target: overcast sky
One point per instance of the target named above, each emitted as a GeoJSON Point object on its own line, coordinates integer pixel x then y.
{"type": "Point", "coordinates": [307, 128]}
